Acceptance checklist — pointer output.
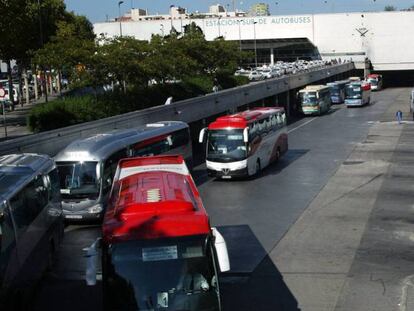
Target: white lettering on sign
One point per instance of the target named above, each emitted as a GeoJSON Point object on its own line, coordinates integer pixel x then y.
{"type": "Point", "coordinates": [260, 21]}
{"type": "Point", "coordinates": [159, 253]}
{"type": "Point", "coordinates": [173, 168]}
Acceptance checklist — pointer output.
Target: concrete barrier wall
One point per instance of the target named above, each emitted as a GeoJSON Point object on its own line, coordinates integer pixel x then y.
{"type": "Point", "coordinates": [189, 110]}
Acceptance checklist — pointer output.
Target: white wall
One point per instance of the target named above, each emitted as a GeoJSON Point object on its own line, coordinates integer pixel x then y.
{"type": "Point", "coordinates": [388, 43]}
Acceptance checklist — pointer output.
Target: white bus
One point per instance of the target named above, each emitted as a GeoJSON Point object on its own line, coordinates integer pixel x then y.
{"type": "Point", "coordinates": [242, 144]}
{"type": "Point", "coordinates": [31, 225]}
{"type": "Point", "coordinates": [315, 99]}
{"type": "Point", "coordinates": [357, 94]}
{"type": "Point", "coordinates": [87, 166]}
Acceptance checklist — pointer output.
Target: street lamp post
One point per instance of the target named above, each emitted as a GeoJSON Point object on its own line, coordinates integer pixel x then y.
{"type": "Point", "coordinates": [240, 43]}
{"type": "Point", "coordinates": [120, 18]}
{"type": "Point", "coordinates": [219, 34]}
{"type": "Point", "coordinates": [255, 44]}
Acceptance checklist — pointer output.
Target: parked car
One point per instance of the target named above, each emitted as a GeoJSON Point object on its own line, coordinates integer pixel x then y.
{"type": "Point", "coordinates": [256, 75]}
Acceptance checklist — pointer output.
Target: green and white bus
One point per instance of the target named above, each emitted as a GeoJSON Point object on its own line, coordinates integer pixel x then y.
{"type": "Point", "coordinates": [315, 99]}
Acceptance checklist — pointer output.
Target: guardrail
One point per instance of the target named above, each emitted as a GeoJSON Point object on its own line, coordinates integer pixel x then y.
{"type": "Point", "coordinates": [189, 110]}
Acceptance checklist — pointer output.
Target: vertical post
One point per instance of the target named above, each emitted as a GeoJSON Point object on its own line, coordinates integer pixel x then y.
{"type": "Point", "coordinates": [26, 85]}
{"type": "Point", "coordinates": [35, 83]}
{"type": "Point", "coordinates": [240, 43]}
{"type": "Point", "coordinates": [120, 18]}
{"type": "Point", "coordinates": [272, 56]}
{"type": "Point", "coordinates": [4, 119]}
{"type": "Point", "coordinates": [288, 103]}
{"type": "Point", "coordinates": [255, 44]}
{"type": "Point", "coordinates": [219, 34]}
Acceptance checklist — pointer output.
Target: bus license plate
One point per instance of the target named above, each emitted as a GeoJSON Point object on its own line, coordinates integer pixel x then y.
{"type": "Point", "coordinates": [73, 216]}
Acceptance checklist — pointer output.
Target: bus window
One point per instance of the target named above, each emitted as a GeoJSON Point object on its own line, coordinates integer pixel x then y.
{"type": "Point", "coordinates": [28, 203]}
{"type": "Point", "coordinates": [109, 169]}
{"type": "Point", "coordinates": [180, 138]}
{"type": "Point", "coordinates": [156, 148]}
{"type": "Point", "coordinates": [54, 187]}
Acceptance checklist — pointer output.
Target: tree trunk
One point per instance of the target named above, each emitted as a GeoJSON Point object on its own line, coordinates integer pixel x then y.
{"type": "Point", "coordinates": [9, 77]}
{"type": "Point", "coordinates": [26, 85]}
{"type": "Point", "coordinates": [58, 82]}
{"type": "Point", "coordinates": [20, 95]}
{"type": "Point", "coordinates": [35, 83]}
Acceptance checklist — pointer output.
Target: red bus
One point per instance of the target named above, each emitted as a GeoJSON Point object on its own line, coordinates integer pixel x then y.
{"type": "Point", "coordinates": [244, 143]}
{"type": "Point", "coordinates": [158, 249]}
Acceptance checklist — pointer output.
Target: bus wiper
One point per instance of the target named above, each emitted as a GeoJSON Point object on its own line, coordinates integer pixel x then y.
{"type": "Point", "coordinates": [149, 303]}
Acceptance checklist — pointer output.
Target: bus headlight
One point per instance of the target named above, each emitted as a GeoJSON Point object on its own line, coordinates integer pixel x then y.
{"type": "Point", "coordinates": [95, 209]}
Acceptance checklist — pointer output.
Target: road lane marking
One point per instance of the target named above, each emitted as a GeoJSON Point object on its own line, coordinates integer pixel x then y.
{"type": "Point", "coordinates": [298, 127]}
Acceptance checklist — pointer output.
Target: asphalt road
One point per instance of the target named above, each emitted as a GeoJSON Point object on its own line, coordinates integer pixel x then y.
{"type": "Point", "coordinates": [253, 215]}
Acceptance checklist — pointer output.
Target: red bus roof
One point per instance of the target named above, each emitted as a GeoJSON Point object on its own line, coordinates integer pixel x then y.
{"type": "Point", "coordinates": [242, 119]}
{"type": "Point", "coordinates": [154, 197]}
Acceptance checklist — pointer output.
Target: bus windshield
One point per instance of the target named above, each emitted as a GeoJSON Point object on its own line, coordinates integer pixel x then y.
{"type": "Point", "coordinates": [226, 145]}
{"type": "Point", "coordinates": [334, 90]}
{"type": "Point", "coordinates": [168, 274]}
{"type": "Point", "coordinates": [78, 180]}
{"type": "Point", "coordinates": [353, 91]}
{"type": "Point", "coordinates": [308, 98]}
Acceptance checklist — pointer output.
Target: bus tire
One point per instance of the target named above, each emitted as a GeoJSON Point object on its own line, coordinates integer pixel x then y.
{"type": "Point", "coordinates": [258, 168]}
{"type": "Point", "coordinates": [278, 154]}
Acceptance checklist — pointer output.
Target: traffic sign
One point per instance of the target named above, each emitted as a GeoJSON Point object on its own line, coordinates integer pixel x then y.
{"type": "Point", "coordinates": [2, 93]}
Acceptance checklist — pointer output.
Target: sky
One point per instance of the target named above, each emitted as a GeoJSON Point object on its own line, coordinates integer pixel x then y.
{"type": "Point", "coordinates": [99, 10]}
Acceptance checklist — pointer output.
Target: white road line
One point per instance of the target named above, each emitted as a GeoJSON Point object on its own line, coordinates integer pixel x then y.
{"type": "Point", "coordinates": [298, 127]}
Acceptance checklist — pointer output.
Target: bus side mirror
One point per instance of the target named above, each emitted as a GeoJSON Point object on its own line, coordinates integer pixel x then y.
{"type": "Point", "coordinates": [202, 134]}
{"type": "Point", "coordinates": [91, 256]}
{"type": "Point", "coordinates": [246, 135]}
{"type": "Point", "coordinates": [221, 251]}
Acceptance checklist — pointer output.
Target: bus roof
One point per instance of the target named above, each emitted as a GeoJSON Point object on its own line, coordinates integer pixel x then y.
{"type": "Point", "coordinates": [314, 88]}
{"type": "Point", "coordinates": [242, 119]}
{"type": "Point", "coordinates": [17, 170]}
{"type": "Point", "coordinates": [151, 198]}
{"type": "Point", "coordinates": [100, 146]}
{"type": "Point", "coordinates": [374, 75]}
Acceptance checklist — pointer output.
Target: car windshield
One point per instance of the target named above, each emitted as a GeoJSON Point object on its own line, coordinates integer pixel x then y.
{"type": "Point", "coordinates": [373, 81]}
{"type": "Point", "coordinates": [78, 180]}
{"type": "Point", "coordinates": [169, 274]}
{"type": "Point", "coordinates": [334, 90]}
{"type": "Point", "coordinates": [353, 91]}
{"type": "Point", "coordinates": [308, 98]}
{"type": "Point", "coordinates": [226, 145]}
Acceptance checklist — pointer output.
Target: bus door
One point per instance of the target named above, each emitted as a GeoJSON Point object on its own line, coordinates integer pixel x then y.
{"type": "Point", "coordinates": [8, 252]}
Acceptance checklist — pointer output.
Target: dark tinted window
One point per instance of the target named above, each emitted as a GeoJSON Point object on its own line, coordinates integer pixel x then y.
{"type": "Point", "coordinates": [7, 242]}
{"type": "Point", "coordinates": [110, 167]}
{"type": "Point", "coordinates": [28, 203]}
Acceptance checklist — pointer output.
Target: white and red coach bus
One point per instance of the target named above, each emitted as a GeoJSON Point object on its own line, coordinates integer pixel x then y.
{"type": "Point", "coordinates": [158, 249]}
{"type": "Point", "coordinates": [242, 144]}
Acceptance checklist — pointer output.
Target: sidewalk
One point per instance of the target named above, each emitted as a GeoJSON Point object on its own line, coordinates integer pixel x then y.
{"type": "Point", "coordinates": [352, 249]}
{"type": "Point", "coordinates": [16, 120]}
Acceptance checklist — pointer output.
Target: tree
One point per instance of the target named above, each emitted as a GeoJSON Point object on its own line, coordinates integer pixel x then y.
{"type": "Point", "coordinates": [25, 25]}
{"type": "Point", "coordinates": [389, 8]}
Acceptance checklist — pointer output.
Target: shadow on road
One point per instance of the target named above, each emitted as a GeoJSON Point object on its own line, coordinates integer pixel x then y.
{"type": "Point", "coordinates": [254, 282]}
{"type": "Point", "coordinates": [286, 160]}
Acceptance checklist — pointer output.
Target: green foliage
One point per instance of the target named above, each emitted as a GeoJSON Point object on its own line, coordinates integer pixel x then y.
{"type": "Point", "coordinates": [389, 8]}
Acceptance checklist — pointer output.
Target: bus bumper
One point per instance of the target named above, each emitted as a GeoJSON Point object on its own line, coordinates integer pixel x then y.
{"type": "Point", "coordinates": [227, 170]}
{"type": "Point", "coordinates": [226, 174]}
{"type": "Point", "coordinates": [353, 102]}
{"type": "Point", "coordinates": [310, 110]}
{"type": "Point", "coordinates": [81, 216]}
